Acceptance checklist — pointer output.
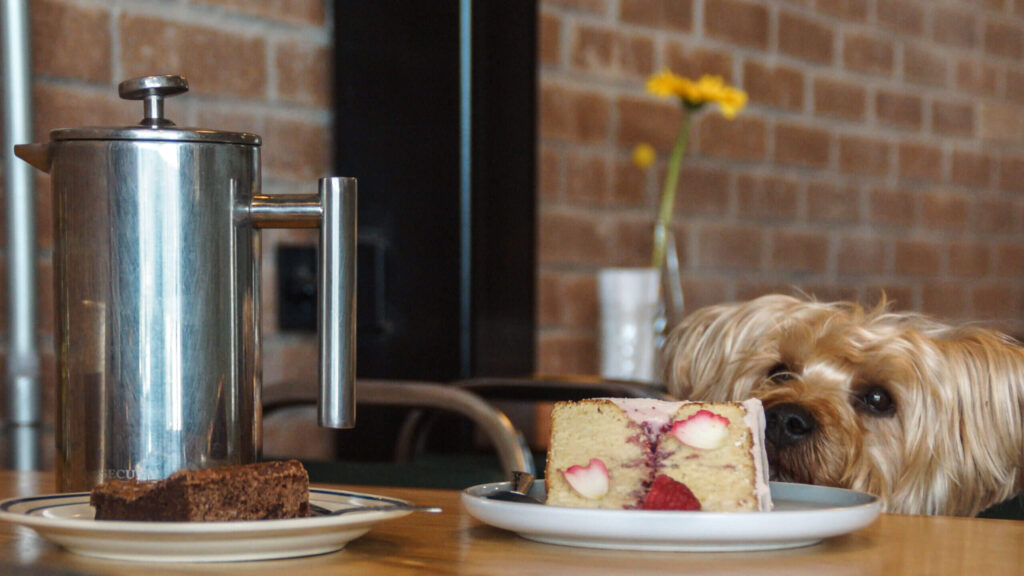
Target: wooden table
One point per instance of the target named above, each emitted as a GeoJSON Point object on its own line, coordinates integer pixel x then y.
{"type": "Point", "coordinates": [455, 543]}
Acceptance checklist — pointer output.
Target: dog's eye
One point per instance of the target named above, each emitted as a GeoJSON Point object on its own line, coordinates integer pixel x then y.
{"type": "Point", "coordinates": [877, 401]}
{"type": "Point", "coordinates": [779, 373]}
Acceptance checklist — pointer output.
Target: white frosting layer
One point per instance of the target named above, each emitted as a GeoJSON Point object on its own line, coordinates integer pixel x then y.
{"type": "Point", "coordinates": [657, 413]}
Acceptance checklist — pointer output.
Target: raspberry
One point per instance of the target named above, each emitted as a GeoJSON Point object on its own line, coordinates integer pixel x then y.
{"type": "Point", "coordinates": [668, 494]}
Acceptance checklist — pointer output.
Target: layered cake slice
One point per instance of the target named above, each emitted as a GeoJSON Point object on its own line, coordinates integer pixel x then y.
{"type": "Point", "coordinates": [648, 454]}
{"type": "Point", "coordinates": [268, 490]}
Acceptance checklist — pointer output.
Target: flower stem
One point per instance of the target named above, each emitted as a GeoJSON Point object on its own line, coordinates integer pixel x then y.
{"type": "Point", "coordinates": [668, 193]}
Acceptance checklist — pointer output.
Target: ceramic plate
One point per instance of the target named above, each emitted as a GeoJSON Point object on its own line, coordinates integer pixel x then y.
{"type": "Point", "coordinates": [67, 520]}
{"type": "Point", "coordinates": [803, 515]}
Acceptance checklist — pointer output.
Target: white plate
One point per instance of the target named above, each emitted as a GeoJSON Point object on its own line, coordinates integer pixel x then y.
{"type": "Point", "coordinates": [803, 515]}
{"type": "Point", "coordinates": [67, 520]}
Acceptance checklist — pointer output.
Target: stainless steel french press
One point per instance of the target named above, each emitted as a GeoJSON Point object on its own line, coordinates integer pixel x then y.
{"type": "Point", "coordinates": [157, 267]}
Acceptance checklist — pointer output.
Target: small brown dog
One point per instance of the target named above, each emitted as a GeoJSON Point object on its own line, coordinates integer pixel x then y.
{"type": "Point", "coordinates": [927, 416]}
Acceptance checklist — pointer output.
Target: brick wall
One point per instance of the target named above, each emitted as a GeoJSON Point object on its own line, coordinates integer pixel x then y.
{"type": "Point", "coordinates": [883, 147]}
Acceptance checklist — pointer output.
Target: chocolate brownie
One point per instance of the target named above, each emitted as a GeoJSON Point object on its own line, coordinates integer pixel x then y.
{"type": "Point", "coordinates": [251, 492]}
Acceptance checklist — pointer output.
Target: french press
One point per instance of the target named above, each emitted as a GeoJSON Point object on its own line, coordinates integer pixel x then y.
{"type": "Point", "coordinates": [157, 267]}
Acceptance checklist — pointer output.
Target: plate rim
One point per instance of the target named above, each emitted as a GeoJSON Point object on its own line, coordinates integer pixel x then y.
{"type": "Point", "coordinates": [31, 520]}
{"type": "Point", "coordinates": [714, 527]}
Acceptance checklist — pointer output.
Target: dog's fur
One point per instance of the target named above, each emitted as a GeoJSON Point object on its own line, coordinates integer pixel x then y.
{"type": "Point", "coordinates": [951, 439]}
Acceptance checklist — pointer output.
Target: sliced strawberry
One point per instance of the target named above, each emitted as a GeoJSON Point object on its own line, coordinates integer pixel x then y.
{"type": "Point", "coordinates": [590, 481]}
{"type": "Point", "coordinates": [704, 430]}
{"type": "Point", "coordinates": [668, 494]}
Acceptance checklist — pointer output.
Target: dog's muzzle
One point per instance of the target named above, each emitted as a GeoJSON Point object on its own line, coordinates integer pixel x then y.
{"type": "Point", "coordinates": [788, 424]}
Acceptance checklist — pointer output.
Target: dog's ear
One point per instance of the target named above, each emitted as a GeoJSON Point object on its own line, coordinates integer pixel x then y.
{"type": "Point", "coordinates": [987, 403]}
{"type": "Point", "coordinates": [705, 357]}
{"type": "Point", "coordinates": [688, 342]}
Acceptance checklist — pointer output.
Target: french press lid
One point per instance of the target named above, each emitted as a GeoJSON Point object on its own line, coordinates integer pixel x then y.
{"type": "Point", "coordinates": [154, 126]}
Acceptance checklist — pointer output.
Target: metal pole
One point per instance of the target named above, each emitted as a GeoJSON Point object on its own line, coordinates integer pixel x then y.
{"type": "Point", "coordinates": [22, 394]}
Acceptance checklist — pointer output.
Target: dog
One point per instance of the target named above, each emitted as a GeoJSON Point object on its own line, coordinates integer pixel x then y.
{"type": "Point", "coordinates": [927, 416]}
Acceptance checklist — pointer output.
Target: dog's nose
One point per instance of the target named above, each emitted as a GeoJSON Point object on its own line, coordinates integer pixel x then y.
{"type": "Point", "coordinates": [787, 424]}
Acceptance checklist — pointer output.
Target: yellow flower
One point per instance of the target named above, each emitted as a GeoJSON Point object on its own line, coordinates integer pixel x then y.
{"type": "Point", "coordinates": [644, 155]}
{"type": "Point", "coordinates": [695, 94]}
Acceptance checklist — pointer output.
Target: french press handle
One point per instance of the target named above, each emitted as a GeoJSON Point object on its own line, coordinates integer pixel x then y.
{"type": "Point", "coordinates": [334, 211]}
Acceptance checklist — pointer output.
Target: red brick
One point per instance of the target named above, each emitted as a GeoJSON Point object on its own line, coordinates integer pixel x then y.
{"type": "Point", "coordinates": [565, 237]}
{"type": "Point", "coordinates": [1009, 260]}
{"type": "Point", "coordinates": [737, 21]}
{"type": "Point", "coordinates": [839, 99]}
{"type": "Point", "coordinates": [587, 181]}
{"type": "Point", "coordinates": [952, 118]}
{"type": "Point", "coordinates": [1001, 123]}
{"type": "Point", "coordinates": [864, 156]}
{"type": "Point", "coordinates": [943, 211]}
{"type": "Point", "coordinates": [924, 65]}
{"type": "Point", "coordinates": [996, 302]}
{"type": "Point", "coordinates": [920, 162]}
{"type": "Point", "coordinates": [871, 54]}
{"type": "Point", "coordinates": [695, 62]}
{"type": "Point", "coordinates": [1015, 85]}
{"type": "Point", "coordinates": [631, 185]}
{"type": "Point", "coordinates": [828, 202]}
{"type": "Point", "coordinates": [976, 77]}
{"type": "Point", "coordinates": [295, 149]}
{"type": "Point", "coordinates": [806, 38]}
{"type": "Point", "coordinates": [995, 216]}
{"type": "Point", "coordinates": [800, 251]}
{"type": "Point", "coordinates": [968, 260]}
{"type": "Point", "coordinates": [899, 296]}
{"type": "Point", "coordinates": [654, 122]}
{"type": "Point", "coordinates": [567, 300]}
{"type": "Point", "coordinates": [549, 42]}
{"type": "Point", "coordinates": [63, 106]}
{"type": "Point", "coordinates": [861, 255]}
{"type": "Point", "coordinates": [214, 61]}
{"type": "Point", "coordinates": [918, 258]}
{"type": "Point", "coordinates": [70, 41]}
{"type": "Point", "coordinates": [954, 26]}
{"type": "Point", "coordinates": [944, 301]}
{"type": "Point", "coordinates": [801, 145]}
{"type": "Point", "coordinates": [702, 191]}
{"type": "Point", "coordinates": [767, 197]}
{"type": "Point", "coordinates": [730, 246]}
{"type": "Point", "coordinates": [891, 207]}
{"type": "Point", "coordinates": [671, 14]}
{"type": "Point", "coordinates": [971, 169]}
{"type": "Point", "coordinates": [778, 86]}
{"type": "Point", "coordinates": [1011, 173]}
{"type": "Point", "coordinates": [902, 16]}
{"type": "Point", "coordinates": [854, 10]}
{"type": "Point", "coordinates": [899, 110]}
{"type": "Point", "coordinates": [559, 353]}
{"type": "Point", "coordinates": [1004, 39]}
{"type": "Point", "coordinates": [607, 51]}
{"type": "Point", "coordinates": [549, 299]}
{"type": "Point", "coordinates": [742, 138]}
{"type": "Point", "coordinates": [299, 11]}
{"type": "Point", "coordinates": [549, 173]}
{"type": "Point", "coordinates": [573, 115]}
{"type": "Point", "coordinates": [633, 242]}
{"type": "Point", "coordinates": [303, 75]}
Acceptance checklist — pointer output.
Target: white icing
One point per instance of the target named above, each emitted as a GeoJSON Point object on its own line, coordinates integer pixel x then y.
{"type": "Point", "coordinates": [754, 418]}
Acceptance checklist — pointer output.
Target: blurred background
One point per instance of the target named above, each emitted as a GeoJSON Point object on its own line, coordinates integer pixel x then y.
{"type": "Point", "coordinates": [882, 150]}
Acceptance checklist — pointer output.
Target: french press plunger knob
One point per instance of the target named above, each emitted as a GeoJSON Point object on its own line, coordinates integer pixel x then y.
{"type": "Point", "coordinates": [152, 90]}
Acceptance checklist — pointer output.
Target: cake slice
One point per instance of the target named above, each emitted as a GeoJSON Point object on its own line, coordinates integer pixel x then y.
{"type": "Point", "coordinates": [623, 453]}
{"type": "Point", "coordinates": [266, 490]}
